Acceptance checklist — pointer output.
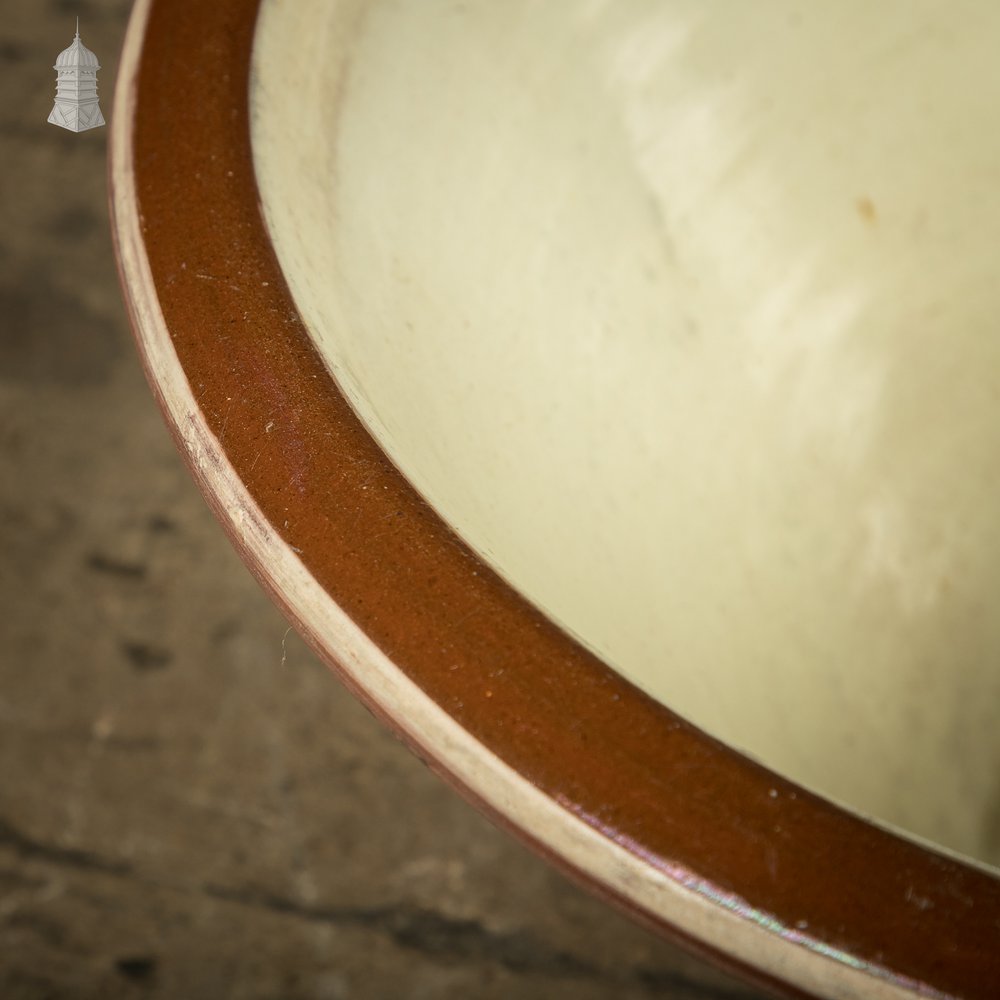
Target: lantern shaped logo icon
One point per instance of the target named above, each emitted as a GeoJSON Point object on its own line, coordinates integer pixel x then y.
{"type": "Point", "coordinates": [76, 106]}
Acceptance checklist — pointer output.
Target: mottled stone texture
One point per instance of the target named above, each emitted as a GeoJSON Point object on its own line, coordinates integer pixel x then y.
{"type": "Point", "coordinates": [190, 805]}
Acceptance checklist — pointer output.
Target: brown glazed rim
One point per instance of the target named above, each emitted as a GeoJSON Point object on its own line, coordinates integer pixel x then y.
{"type": "Point", "coordinates": [683, 832]}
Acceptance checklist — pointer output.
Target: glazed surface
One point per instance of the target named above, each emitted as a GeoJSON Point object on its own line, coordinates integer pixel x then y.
{"type": "Point", "coordinates": [686, 323]}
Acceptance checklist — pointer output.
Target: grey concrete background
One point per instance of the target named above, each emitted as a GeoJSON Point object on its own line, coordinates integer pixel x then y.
{"type": "Point", "coordinates": [190, 805]}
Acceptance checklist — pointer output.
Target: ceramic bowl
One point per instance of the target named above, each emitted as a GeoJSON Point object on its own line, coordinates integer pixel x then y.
{"type": "Point", "coordinates": [607, 392]}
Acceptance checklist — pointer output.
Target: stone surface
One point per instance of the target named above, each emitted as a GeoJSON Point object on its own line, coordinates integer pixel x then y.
{"type": "Point", "coordinates": [190, 805]}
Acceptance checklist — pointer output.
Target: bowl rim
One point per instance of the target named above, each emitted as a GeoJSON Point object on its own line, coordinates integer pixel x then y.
{"type": "Point", "coordinates": [681, 831]}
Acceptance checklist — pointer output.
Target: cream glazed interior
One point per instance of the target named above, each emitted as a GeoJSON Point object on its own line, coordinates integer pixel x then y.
{"type": "Point", "coordinates": [683, 316]}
